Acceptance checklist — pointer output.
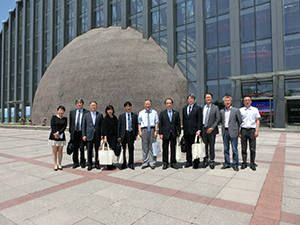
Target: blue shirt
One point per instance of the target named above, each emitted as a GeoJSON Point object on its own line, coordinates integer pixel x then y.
{"type": "Point", "coordinates": [143, 118]}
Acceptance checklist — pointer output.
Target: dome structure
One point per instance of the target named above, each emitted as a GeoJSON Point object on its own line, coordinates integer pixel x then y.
{"type": "Point", "coordinates": [111, 66]}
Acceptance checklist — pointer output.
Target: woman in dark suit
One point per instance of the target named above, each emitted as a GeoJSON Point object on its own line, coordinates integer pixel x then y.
{"type": "Point", "coordinates": [110, 129]}
{"type": "Point", "coordinates": [57, 136]}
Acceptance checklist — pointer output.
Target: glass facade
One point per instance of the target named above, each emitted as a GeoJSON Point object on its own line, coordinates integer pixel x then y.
{"type": "Point", "coordinates": [34, 37]}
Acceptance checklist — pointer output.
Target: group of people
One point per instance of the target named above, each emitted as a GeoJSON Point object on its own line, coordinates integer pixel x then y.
{"type": "Point", "coordinates": [89, 128]}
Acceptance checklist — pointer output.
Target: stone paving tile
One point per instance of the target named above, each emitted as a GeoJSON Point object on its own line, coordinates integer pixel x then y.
{"type": "Point", "coordinates": [287, 181]}
{"type": "Point", "coordinates": [147, 178]}
{"type": "Point", "coordinates": [246, 185]}
{"type": "Point", "coordinates": [63, 177]}
{"type": "Point", "coordinates": [290, 205]}
{"type": "Point", "coordinates": [203, 189]}
{"type": "Point", "coordinates": [155, 218]}
{"type": "Point", "coordinates": [292, 192]}
{"type": "Point", "coordinates": [172, 183]}
{"type": "Point", "coordinates": [8, 192]}
{"type": "Point", "coordinates": [215, 215]}
{"type": "Point", "coordinates": [292, 171]}
{"type": "Point", "coordinates": [248, 174]}
{"type": "Point", "coordinates": [4, 220]}
{"type": "Point", "coordinates": [88, 221]}
{"type": "Point", "coordinates": [188, 174]}
{"type": "Point", "coordinates": [212, 179]}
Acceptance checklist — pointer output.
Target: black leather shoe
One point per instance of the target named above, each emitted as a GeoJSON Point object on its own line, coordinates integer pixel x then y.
{"type": "Point", "coordinates": [82, 165]}
{"type": "Point", "coordinates": [123, 167]}
{"type": "Point", "coordinates": [75, 165]}
{"type": "Point", "coordinates": [174, 166]}
{"type": "Point", "coordinates": [224, 167]}
{"type": "Point", "coordinates": [89, 168]}
{"type": "Point", "coordinates": [204, 165]}
{"type": "Point", "coordinates": [243, 166]}
{"type": "Point", "coordinates": [165, 166]}
{"type": "Point", "coordinates": [111, 167]}
{"type": "Point", "coordinates": [152, 167]}
{"type": "Point", "coordinates": [236, 168]}
{"type": "Point", "coordinates": [144, 167]}
{"type": "Point", "coordinates": [212, 166]}
{"type": "Point", "coordinates": [97, 166]}
{"type": "Point", "coordinates": [60, 168]}
{"type": "Point", "coordinates": [131, 167]}
{"type": "Point", "coordinates": [55, 169]}
{"type": "Point", "coordinates": [187, 165]}
{"type": "Point", "coordinates": [253, 167]}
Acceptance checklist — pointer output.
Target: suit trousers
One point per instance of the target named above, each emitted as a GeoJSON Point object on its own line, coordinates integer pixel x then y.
{"type": "Point", "coordinates": [129, 139]}
{"type": "Point", "coordinates": [248, 134]}
{"type": "Point", "coordinates": [190, 140]}
{"type": "Point", "coordinates": [90, 145]}
{"type": "Point", "coordinates": [78, 143]}
{"type": "Point", "coordinates": [235, 154]}
{"type": "Point", "coordinates": [209, 140]}
{"type": "Point", "coordinates": [165, 145]}
{"type": "Point", "coordinates": [147, 140]}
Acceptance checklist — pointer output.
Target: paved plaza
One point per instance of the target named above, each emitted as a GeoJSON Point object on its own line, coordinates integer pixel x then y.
{"type": "Point", "coordinates": [31, 192]}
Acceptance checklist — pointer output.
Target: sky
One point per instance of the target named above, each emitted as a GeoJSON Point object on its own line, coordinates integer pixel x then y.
{"type": "Point", "coordinates": [5, 5]}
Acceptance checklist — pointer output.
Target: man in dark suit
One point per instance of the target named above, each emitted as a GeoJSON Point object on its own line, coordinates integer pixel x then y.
{"type": "Point", "coordinates": [169, 129]}
{"type": "Point", "coordinates": [231, 120]}
{"type": "Point", "coordinates": [127, 133]}
{"type": "Point", "coordinates": [211, 119]}
{"type": "Point", "coordinates": [91, 133]}
{"type": "Point", "coordinates": [192, 124]}
{"type": "Point", "coordinates": [75, 123]}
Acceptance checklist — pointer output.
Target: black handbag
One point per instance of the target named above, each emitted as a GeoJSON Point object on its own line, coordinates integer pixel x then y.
{"type": "Point", "coordinates": [118, 148]}
{"type": "Point", "coordinates": [70, 148]}
{"type": "Point", "coordinates": [183, 145]}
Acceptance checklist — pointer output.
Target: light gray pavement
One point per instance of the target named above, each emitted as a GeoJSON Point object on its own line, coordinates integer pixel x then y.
{"type": "Point", "coordinates": [31, 192]}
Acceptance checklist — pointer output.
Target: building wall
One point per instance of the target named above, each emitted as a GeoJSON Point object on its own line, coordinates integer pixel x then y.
{"type": "Point", "coordinates": [222, 46]}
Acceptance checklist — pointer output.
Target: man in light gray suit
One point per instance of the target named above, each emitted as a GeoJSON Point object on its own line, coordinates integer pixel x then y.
{"type": "Point", "coordinates": [211, 118]}
{"type": "Point", "coordinates": [231, 120]}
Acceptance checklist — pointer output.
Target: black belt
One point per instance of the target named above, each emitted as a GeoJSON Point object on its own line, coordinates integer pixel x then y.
{"type": "Point", "coordinates": [147, 127]}
{"type": "Point", "coordinates": [128, 131]}
{"type": "Point", "coordinates": [226, 128]}
{"type": "Point", "coordinates": [248, 128]}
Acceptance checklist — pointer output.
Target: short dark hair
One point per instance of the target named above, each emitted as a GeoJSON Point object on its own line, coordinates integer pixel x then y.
{"type": "Point", "coordinates": [127, 103]}
{"type": "Point", "coordinates": [227, 96]}
{"type": "Point", "coordinates": [148, 100]}
{"type": "Point", "coordinates": [191, 95]}
{"type": "Point", "coordinates": [108, 108]}
{"type": "Point", "coordinates": [168, 99]}
{"type": "Point", "coordinates": [209, 94]}
{"type": "Point", "coordinates": [92, 102]}
{"type": "Point", "coordinates": [79, 100]}
{"type": "Point", "coordinates": [247, 96]}
{"type": "Point", "coordinates": [61, 107]}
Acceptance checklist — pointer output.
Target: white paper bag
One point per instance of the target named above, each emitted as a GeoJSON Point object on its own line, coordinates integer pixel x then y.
{"type": "Point", "coordinates": [156, 148]}
{"type": "Point", "coordinates": [197, 149]}
{"type": "Point", "coordinates": [106, 156]}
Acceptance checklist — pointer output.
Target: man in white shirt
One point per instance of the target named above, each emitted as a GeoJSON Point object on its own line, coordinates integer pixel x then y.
{"type": "Point", "coordinates": [249, 131]}
{"type": "Point", "coordinates": [148, 126]}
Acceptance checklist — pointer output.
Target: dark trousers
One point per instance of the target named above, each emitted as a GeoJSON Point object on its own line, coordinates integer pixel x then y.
{"type": "Point", "coordinates": [209, 140]}
{"type": "Point", "coordinates": [89, 145]}
{"type": "Point", "coordinates": [248, 134]}
{"type": "Point", "coordinates": [190, 140]}
{"type": "Point", "coordinates": [165, 145]}
{"type": "Point", "coordinates": [78, 144]}
{"type": "Point", "coordinates": [129, 139]}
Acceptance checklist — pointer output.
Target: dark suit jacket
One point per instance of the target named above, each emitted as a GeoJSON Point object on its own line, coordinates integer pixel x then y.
{"type": "Point", "coordinates": [89, 129]}
{"type": "Point", "coordinates": [122, 125]}
{"type": "Point", "coordinates": [72, 121]}
{"type": "Point", "coordinates": [165, 126]}
{"type": "Point", "coordinates": [192, 123]}
{"type": "Point", "coordinates": [213, 119]}
{"type": "Point", "coordinates": [235, 121]}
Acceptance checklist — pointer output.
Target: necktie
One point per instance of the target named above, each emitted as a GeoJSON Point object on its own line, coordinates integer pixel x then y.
{"type": "Point", "coordinates": [148, 120]}
{"type": "Point", "coordinates": [129, 122]}
{"type": "Point", "coordinates": [78, 121]}
{"type": "Point", "coordinates": [94, 118]}
{"type": "Point", "coordinates": [190, 110]}
{"type": "Point", "coordinates": [170, 115]}
{"type": "Point", "coordinates": [206, 116]}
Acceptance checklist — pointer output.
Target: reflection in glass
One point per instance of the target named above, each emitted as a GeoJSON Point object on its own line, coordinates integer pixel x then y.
{"type": "Point", "coordinates": [193, 88]}
{"type": "Point", "coordinates": [191, 66]}
{"type": "Point", "coordinates": [249, 89]}
{"type": "Point", "coordinates": [264, 89]}
{"type": "Point", "coordinates": [180, 12]}
{"type": "Point", "coordinates": [246, 3]}
{"type": "Point", "coordinates": [224, 88]}
{"type": "Point", "coordinates": [224, 30]}
{"type": "Point", "coordinates": [155, 20]}
{"type": "Point", "coordinates": [210, 8]}
{"type": "Point", "coordinates": [264, 56]}
{"type": "Point", "coordinates": [211, 33]}
{"type": "Point", "coordinates": [223, 6]}
{"type": "Point", "coordinates": [163, 17]}
{"type": "Point", "coordinates": [224, 62]}
{"type": "Point", "coordinates": [263, 21]}
{"type": "Point", "coordinates": [212, 87]}
{"type": "Point", "coordinates": [247, 25]}
{"type": "Point", "coordinates": [248, 58]}
{"type": "Point", "coordinates": [181, 40]}
{"type": "Point", "coordinates": [212, 63]}
{"type": "Point", "coordinates": [261, 1]}
{"type": "Point", "coordinates": [181, 61]}
{"type": "Point", "coordinates": [292, 87]}
{"type": "Point", "coordinates": [291, 16]}
{"type": "Point", "coordinates": [139, 17]}
{"type": "Point", "coordinates": [190, 11]}
{"type": "Point", "coordinates": [163, 40]}
{"type": "Point", "coordinates": [191, 38]}
{"type": "Point", "coordinates": [292, 51]}
{"type": "Point", "coordinates": [132, 21]}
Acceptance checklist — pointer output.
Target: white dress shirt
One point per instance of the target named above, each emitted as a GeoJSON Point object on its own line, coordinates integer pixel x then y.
{"type": "Point", "coordinates": [249, 117]}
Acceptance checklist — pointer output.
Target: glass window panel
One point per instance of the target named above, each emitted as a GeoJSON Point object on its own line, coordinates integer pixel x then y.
{"type": "Point", "coordinates": [291, 16]}
{"type": "Point", "coordinates": [246, 3]}
{"type": "Point", "coordinates": [163, 17]}
{"type": "Point", "coordinates": [192, 86]}
{"type": "Point", "coordinates": [190, 11]}
{"type": "Point", "coordinates": [261, 1]}
{"type": "Point", "coordinates": [224, 62]}
{"type": "Point", "coordinates": [180, 12]}
{"type": "Point", "coordinates": [181, 40]}
{"type": "Point", "coordinates": [211, 33]}
{"type": "Point", "coordinates": [210, 8]}
{"type": "Point", "coordinates": [140, 22]}
{"type": "Point", "coordinates": [292, 87]}
{"type": "Point", "coordinates": [247, 25]}
{"type": "Point", "coordinates": [181, 61]}
{"type": "Point", "coordinates": [132, 6]}
{"type": "Point", "coordinates": [163, 1]}
{"type": "Point", "coordinates": [212, 63]}
{"type": "Point", "coordinates": [265, 89]}
{"type": "Point", "coordinates": [224, 88]}
{"type": "Point", "coordinates": [132, 21]}
{"type": "Point", "coordinates": [139, 5]}
{"type": "Point", "coordinates": [163, 40]}
{"type": "Point", "coordinates": [191, 38]}
{"type": "Point", "coordinates": [155, 36]}
{"type": "Point", "coordinates": [223, 6]}
{"type": "Point", "coordinates": [264, 56]}
{"type": "Point", "coordinates": [224, 30]}
{"type": "Point", "coordinates": [249, 89]}
{"type": "Point", "coordinates": [155, 3]}
{"type": "Point", "coordinates": [292, 51]}
{"type": "Point", "coordinates": [191, 67]}
{"type": "Point", "coordinates": [155, 20]}
{"type": "Point", "coordinates": [263, 21]}
{"type": "Point", "coordinates": [248, 58]}
{"type": "Point", "coordinates": [212, 87]}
